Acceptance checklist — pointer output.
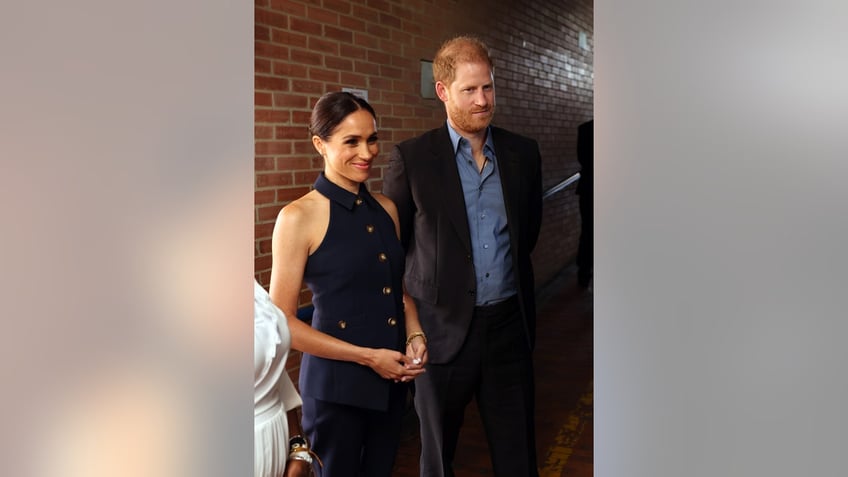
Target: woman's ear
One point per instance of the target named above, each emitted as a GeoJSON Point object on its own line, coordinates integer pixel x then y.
{"type": "Point", "coordinates": [319, 145]}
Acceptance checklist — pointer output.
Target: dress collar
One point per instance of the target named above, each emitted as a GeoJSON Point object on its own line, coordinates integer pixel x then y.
{"type": "Point", "coordinates": [337, 194]}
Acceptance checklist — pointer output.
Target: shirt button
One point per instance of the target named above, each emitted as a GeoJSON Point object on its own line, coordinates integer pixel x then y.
{"type": "Point", "coordinates": [369, 228]}
{"type": "Point", "coordinates": [382, 257]}
{"type": "Point", "coordinates": [392, 322]}
{"type": "Point", "coordinates": [387, 290]}
{"type": "Point", "coordinates": [486, 246]}
{"type": "Point", "coordinates": [358, 201]}
{"type": "Point", "coordinates": [342, 324]}
{"type": "Point", "coordinates": [487, 275]}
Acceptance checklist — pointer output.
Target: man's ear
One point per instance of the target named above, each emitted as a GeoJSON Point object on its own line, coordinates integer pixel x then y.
{"type": "Point", "coordinates": [442, 91]}
{"type": "Point", "coordinates": [319, 145]}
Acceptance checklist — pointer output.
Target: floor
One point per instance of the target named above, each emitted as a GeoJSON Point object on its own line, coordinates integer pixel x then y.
{"type": "Point", "coordinates": [564, 403]}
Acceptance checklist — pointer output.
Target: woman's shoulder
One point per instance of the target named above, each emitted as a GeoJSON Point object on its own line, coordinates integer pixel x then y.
{"type": "Point", "coordinates": [303, 208]}
{"type": "Point", "coordinates": [303, 221]}
{"type": "Point", "coordinates": [388, 206]}
{"type": "Point", "coordinates": [384, 201]}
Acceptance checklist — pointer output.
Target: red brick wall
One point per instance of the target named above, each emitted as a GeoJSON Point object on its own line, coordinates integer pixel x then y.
{"type": "Point", "coordinates": [543, 82]}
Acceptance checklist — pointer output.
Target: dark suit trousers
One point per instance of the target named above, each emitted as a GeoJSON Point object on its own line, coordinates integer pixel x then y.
{"type": "Point", "coordinates": [494, 366]}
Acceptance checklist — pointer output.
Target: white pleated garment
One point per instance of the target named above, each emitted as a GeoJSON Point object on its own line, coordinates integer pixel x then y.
{"type": "Point", "coordinates": [274, 392]}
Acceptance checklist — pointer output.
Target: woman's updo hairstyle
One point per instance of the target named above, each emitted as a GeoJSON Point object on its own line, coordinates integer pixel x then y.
{"type": "Point", "coordinates": [331, 109]}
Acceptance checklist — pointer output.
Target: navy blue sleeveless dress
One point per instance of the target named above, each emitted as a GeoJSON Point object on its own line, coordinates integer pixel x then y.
{"type": "Point", "coordinates": [355, 276]}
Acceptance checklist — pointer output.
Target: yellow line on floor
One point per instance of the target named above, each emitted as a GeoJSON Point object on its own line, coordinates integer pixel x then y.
{"type": "Point", "coordinates": [568, 435]}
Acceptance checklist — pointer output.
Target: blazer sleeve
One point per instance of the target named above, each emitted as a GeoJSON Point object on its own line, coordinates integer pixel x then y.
{"type": "Point", "coordinates": [396, 187]}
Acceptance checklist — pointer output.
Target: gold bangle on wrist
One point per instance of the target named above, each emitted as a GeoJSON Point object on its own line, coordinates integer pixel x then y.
{"type": "Point", "coordinates": [301, 455]}
{"type": "Point", "coordinates": [304, 453]}
{"type": "Point", "coordinates": [416, 335]}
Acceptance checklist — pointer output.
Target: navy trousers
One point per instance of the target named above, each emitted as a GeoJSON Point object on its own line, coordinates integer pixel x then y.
{"type": "Point", "coordinates": [352, 441]}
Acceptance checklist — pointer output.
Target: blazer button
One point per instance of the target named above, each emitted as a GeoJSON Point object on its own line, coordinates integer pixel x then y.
{"type": "Point", "coordinates": [369, 228]}
{"type": "Point", "coordinates": [387, 290]}
{"type": "Point", "coordinates": [382, 257]}
{"type": "Point", "coordinates": [358, 201]}
{"type": "Point", "coordinates": [342, 324]}
{"type": "Point", "coordinates": [471, 292]}
{"type": "Point", "coordinates": [392, 322]}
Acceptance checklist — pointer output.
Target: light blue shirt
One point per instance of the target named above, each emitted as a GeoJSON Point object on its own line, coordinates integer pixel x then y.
{"type": "Point", "coordinates": [484, 204]}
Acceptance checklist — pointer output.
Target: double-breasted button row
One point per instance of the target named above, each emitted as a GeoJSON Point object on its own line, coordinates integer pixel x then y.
{"type": "Point", "coordinates": [387, 290]}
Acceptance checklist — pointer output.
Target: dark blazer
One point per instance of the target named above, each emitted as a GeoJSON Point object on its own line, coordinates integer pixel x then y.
{"type": "Point", "coordinates": [423, 181]}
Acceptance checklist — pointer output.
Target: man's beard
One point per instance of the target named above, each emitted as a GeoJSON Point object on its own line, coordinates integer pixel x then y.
{"type": "Point", "coordinates": [469, 122]}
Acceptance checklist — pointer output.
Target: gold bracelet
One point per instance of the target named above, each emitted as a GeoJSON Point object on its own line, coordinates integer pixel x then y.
{"type": "Point", "coordinates": [299, 450]}
{"type": "Point", "coordinates": [301, 455]}
{"type": "Point", "coordinates": [416, 335]}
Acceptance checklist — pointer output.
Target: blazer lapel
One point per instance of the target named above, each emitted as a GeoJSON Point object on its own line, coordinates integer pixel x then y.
{"type": "Point", "coordinates": [510, 172]}
{"type": "Point", "coordinates": [449, 186]}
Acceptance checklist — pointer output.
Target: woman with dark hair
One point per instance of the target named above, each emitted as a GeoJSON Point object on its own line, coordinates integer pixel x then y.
{"type": "Point", "coordinates": [365, 343]}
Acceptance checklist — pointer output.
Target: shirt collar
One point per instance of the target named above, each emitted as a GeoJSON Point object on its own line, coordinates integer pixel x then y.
{"type": "Point", "coordinates": [339, 195]}
{"type": "Point", "coordinates": [488, 147]}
